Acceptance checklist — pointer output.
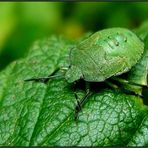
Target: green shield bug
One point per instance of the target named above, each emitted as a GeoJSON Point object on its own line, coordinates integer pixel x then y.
{"type": "Point", "coordinates": [106, 53]}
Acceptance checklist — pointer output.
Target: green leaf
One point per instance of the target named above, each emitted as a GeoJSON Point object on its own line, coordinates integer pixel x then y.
{"type": "Point", "coordinates": [138, 74]}
{"type": "Point", "coordinates": [142, 31]}
{"type": "Point", "coordinates": [43, 114]}
{"type": "Point", "coordinates": [140, 137]}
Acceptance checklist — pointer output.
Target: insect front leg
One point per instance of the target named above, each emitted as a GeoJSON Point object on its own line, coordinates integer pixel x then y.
{"type": "Point", "coordinates": [77, 107]}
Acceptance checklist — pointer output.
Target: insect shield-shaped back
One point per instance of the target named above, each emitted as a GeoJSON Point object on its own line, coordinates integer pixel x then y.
{"type": "Point", "coordinates": [104, 54]}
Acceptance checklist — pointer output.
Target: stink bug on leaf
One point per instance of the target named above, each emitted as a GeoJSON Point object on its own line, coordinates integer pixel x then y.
{"type": "Point", "coordinates": [106, 53]}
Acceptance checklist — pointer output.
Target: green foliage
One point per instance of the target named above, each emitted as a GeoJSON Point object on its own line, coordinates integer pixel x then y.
{"type": "Point", "coordinates": [138, 74]}
{"type": "Point", "coordinates": [43, 114]}
{"type": "Point", "coordinates": [23, 23]}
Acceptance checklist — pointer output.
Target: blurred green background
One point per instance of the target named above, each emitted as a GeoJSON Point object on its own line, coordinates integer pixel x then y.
{"type": "Point", "coordinates": [22, 23]}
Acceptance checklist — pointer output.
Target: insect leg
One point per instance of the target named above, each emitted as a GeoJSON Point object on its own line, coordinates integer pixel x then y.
{"type": "Point", "coordinates": [81, 103]}
{"type": "Point", "coordinates": [130, 87]}
{"type": "Point", "coordinates": [123, 81]}
{"type": "Point", "coordinates": [78, 106]}
{"type": "Point", "coordinates": [111, 84]}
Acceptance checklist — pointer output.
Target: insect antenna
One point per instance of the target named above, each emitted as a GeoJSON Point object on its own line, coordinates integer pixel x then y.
{"type": "Point", "coordinates": [46, 79]}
